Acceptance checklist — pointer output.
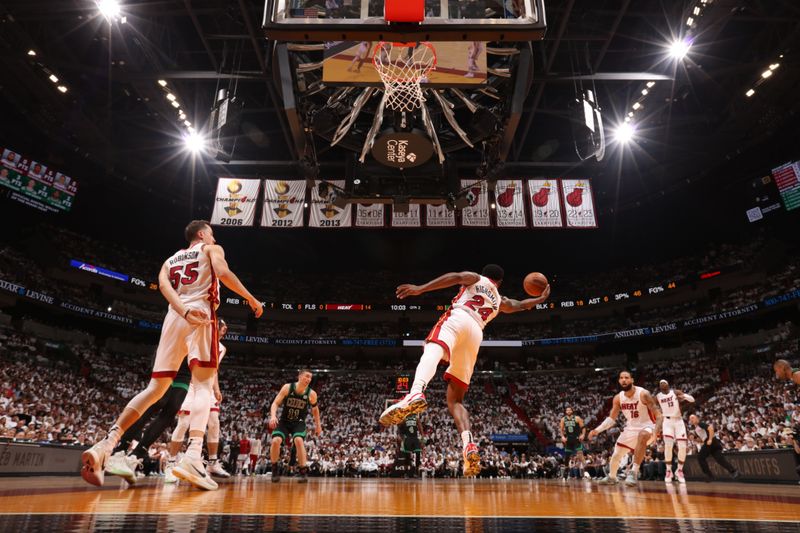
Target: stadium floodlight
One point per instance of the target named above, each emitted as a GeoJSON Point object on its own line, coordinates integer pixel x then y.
{"type": "Point", "coordinates": [624, 133]}
{"type": "Point", "coordinates": [679, 48]}
{"type": "Point", "coordinates": [194, 142]}
{"type": "Point", "coordinates": [32, 53]}
{"type": "Point", "coordinates": [750, 93]}
{"type": "Point", "coordinates": [62, 88]}
{"type": "Point", "coordinates": [110, 9]}
{"type": "Point", "coordinates": [163, 83]}
{"type": "Point", "coordinates": [170, 97]}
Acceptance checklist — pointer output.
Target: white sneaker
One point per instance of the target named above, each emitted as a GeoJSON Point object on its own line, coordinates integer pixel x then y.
{"type": "Point", "coordinates": [608, 480]}
{"type": "Point", "coordinates": [216, 469]}
{"type": "Point", "coordinates": [632, 479]}
{"type": "Point", "coordinates": [669, 478]}
{"type": "Point", "coordinates": [410, 404]}
{"type": "Point", "coordinates": [135, 464]}
{"type": "Point", "coordinates": [118, 465]}
{"type": "Point", "coordinates": [680, 477]}
{"type": "Point", "coordinates": [169, 477]}
{"type": "Point", "coordinates": [93, 463]}
{"type": "Point", "coordinates": [195, 473]}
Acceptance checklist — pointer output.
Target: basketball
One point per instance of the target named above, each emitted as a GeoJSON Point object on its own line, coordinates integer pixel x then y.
{"type": "Point", "coordinates": [535, 283]}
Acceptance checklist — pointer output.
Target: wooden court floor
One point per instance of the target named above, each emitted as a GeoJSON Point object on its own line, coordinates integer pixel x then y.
{"type": "Point", "coordinates": [254, 503]}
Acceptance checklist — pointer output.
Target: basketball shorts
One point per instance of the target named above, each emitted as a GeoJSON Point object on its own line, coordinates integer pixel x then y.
{"type": "Point", "coordinates": [629, 438]}
{"type": "Point", "coordinates": [186, 406]}
{"type": "Point", "coordinates": [180, 339]}
{"type": "Point", "coordinates": [573, 446]}
{"type": "Point", "coordinates": [460, 336]}
{"type": "Point", "coordinates": [674, 428]}
{"type": "Point", "coordinates": [290, 430]}
{"type": "Point", "coordinates": [411, 444]}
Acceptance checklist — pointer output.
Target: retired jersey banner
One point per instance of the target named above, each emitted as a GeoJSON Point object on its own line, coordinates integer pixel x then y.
{"type": "Point", "coordinates": [439, 216]}
{"type": "Point", "coordinates": [283, 203]}
{"type": "Point", "coordinates": [578, 204]}
{"type": "Point", "coordinates": [235, 202]}
{"type": "Point", "coordinates": [476, 214]}
{"type": "Point", "coordinates": [411, 219]}
{"type": "Point", "coordinates": [510, 204]}
{"type": "Point", "coordinates": [323, 213]}
{"type": "Point", "coordinates": [369, 215]}
{"type": "Point", "coordinates": [545, 204]}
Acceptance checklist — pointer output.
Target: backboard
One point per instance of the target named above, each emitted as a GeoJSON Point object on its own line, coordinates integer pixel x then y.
{"type": "Point", "coordinates": [445, 20]}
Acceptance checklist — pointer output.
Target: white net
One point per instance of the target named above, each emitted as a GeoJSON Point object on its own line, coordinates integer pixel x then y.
{"type": "Point", "coordinates": [402, 67]}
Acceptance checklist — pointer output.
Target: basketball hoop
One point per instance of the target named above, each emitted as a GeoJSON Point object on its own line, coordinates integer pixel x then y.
{"type": "Point", "coordinates": [402, 68]}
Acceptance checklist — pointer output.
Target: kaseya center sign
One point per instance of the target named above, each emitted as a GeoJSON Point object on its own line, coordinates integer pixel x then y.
{"type": "Point", "coordinates": [402, 149]}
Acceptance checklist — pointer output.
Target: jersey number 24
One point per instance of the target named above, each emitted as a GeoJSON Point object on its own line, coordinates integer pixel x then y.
{"type": "Point", "coordinates": [475, 304]}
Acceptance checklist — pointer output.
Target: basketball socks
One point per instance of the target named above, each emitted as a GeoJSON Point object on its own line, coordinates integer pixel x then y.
{"type": "Point", "coordinates": [635, 468]}
{"type": "Point", "coordinates": [466, 438]}
{"type": "Point", "coordinates": [426, 368]}
{"type": "Point", "coordinates": [114, 435]}
{"type": "Point", "coordinates": [195, 450]}
{"type": "Point", "coordinates": [212, 458]}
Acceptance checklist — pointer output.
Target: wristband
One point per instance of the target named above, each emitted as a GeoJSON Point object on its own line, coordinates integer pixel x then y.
{"type": "Point", "coordinates": [186, 314]}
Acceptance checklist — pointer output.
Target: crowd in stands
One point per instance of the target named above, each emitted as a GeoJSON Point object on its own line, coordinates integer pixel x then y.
{"type": "Point", "coordinates": [70, 395]}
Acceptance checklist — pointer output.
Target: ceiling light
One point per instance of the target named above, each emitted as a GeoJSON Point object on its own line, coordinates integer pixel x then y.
{"type": "Point", "coordinates": [163, 83]}
{"type": "Point", "coordinates": [187, 123]}
{"type": "Point", "coordinates": [750, 93]}
{"type": "Point", "coordinates": [32, 53]}
{"type": "Point", "coordinates": [650, 84]}
{"type": "Point", "coordinates": [678, 49]}
{"type": "Point", "coordinates": [636, 105]}
{"type": "Point", "coordinates": [774, 66]}
{"type": "Point", "coordinates": [627, 119]}
{"type": "Point", "coordinates": [766, 74]}
{"type": "Point", "coordinates": [124, 20]}
{"type": "Point", "coordinates": [53, 78]}
{"type": "Point", "coordinates": [62, 88]}
{"type": "Point", "coordinates": [696, 10]}
{"type": "Point", "coordinates": [109, 8]}
{"type": "Point", "coordinates": [644, 92]}
{"type": "Point", "coordinates": [176, 105]}
{"type": "Point", "coordinates": [624, 133]}
{"type": "Point", "coordinates": [194, 142]}
{"type": "Point", "coordinates": [690, 22]}
{"type": "Point", "coordinates": [630, 114]}
{"type": "Point", "coordinates": [493, 206]}
{"type": "Point", "coordinates": [170, 97]}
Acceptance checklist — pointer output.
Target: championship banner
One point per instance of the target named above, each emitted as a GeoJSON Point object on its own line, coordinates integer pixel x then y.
{"type": "Point", "coordinates": [438, 216]}
{"type": "Point", "coordinates": [369, 215]}
{"type": "Point", "coordinates": [323, 213]}
{"type": "Point", "coordinates": [545, 204]}
{"type": "Point", "coordinates": [283, 204]}
{"type": "Point", "coordinates": [411, 219]}
{"type": "Point", "coordinates": [476, 214]}
{"type": "Point", "coordinates": [510, 204]}
{"type": "Point", "coordinates": [578, 204]}
{"type": "Point", "coordinates": [235, 202]}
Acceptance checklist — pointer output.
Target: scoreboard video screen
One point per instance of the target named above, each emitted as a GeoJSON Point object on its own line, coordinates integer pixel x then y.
{"type": "Point", "coordinates": [35, 184]}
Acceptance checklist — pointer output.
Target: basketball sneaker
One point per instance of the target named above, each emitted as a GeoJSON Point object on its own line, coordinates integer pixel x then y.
{"type": "Point", "coordinates": [632, 479]}
{"type": "Point", "coordinates": [194, 471]}
{"type": "Point", "coordinates": [680, 477]}
{"type": "Point", "coordinates": [411, 404]}
{"type": "Point", "coordinates": [669, 478]}
{"type": "Point", "coordinates": [94, 463]}
{"type": "Point", "coordinates": [608, 480]}
{"type": "Point", "coordinates": [118, 465]}
{"type": "Point", "coordinates": [169, 477]}
{"type": "Point", "coordinates": [216, 469]}
{"type": "Point", "coordinates": [472, 460]}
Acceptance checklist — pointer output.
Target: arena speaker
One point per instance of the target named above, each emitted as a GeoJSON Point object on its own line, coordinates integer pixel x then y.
{"type": "Point", "coordinates": [226, 119]}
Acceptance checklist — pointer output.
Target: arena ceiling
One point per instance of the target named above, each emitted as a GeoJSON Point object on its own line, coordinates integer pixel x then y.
{"type": "Point", "coordinates": [698, 133]}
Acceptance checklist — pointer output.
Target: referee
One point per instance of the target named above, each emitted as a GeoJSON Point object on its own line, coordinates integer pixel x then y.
{"type": "Point", "coordinates": [711, 446]}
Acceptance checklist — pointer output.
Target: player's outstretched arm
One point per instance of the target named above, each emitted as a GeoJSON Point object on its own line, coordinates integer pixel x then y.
{"type": "Point", "coordinates": [609, 422]}
{"type": "Point", "coordinates": [193, 316]}
{"type": "Point", "coordinates": [229, 279]}
{"type": "Point", "coordinates": [273, 409]}
{"type": "Point", "coordinates": [442, 282]}
{"type": "Point", "coordinates": [312, 398]}
{"type": "Point", "coordinates": [509, 305]}
{"type": "Point", "coordinates": [684, 397]}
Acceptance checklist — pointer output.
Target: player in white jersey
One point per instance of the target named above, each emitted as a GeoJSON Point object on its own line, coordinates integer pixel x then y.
{"type": "Point", "coordinates": [643, 423]}
{"type": "Point", "coordinates": [215, 467]}
{"type": "Point", "coordinates": [674, 427]}
{"type": "Point", "coordinates": [189, 281]}
{"type": "Point", "coordinates": [456, 338]}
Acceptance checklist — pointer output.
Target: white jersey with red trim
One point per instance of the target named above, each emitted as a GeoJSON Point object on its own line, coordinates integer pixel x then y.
{"type": "Point", "coordinates": [481, 300]}
{"type": "Point", "coordinates": [192, 277]}
{"type": "Point", "coordinates": [638, 415]}
{"type": "Point", "coordinates": [669, 404]}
